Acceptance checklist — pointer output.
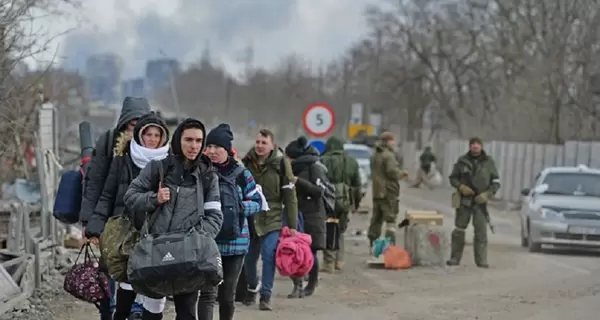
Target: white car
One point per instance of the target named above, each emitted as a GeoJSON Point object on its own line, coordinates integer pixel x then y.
{"type": "Point", "coordinates": [562, 208]}
{"type": "Point", "coordinates": [362, 154]}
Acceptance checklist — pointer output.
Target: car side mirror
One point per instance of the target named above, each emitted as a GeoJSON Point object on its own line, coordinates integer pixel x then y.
{"type": "Point", "coordinates": [525, 191]}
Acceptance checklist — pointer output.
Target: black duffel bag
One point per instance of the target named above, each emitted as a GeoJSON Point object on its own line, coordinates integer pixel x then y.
{"type": "Point", "coordinates": [174, 263]}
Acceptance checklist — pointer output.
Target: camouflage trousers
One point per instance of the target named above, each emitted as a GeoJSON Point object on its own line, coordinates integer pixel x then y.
{"type": "Point", "coordinates": [384, 210]}
{"type": "Point", "coordinates": [464, 214]}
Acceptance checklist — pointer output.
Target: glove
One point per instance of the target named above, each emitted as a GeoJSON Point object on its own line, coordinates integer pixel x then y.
{"type": "Point", "coordinates": [466, 191]}
{"type": "Point", "coordinates": [481, 198]}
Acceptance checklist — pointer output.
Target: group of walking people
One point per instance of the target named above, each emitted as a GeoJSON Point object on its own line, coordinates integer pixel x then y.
{"type": "Point", "coordinates": [139, 168]}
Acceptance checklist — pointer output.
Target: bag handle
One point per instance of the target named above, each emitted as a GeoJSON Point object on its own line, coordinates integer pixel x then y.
{"type": "Point", "coordinates": [150, 222]}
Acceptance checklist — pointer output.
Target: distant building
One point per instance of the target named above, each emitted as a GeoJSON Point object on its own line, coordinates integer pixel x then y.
{"type": "Point", "coordinates": [103, 78]}
{"type": "Point", "coordinates": [134, 87]}
{"type": "Point", "coordinates": [159, 71]}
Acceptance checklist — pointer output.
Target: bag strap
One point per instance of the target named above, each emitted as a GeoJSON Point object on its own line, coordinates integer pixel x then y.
{"type": "Point", "coordinates": [150, 222]}
{"type": "Point", "coordinates": [200, 187]}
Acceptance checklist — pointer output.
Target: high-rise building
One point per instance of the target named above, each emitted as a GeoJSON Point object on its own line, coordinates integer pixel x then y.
{"type": "Point", "coordinates": [103, 78]}
{"type": "Point", "coordinates": [159, 71]}
{"type": "Point", "coordinates": [134, 87]}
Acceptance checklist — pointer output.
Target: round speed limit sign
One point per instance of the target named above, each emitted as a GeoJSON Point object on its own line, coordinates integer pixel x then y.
{"type": "Point", "coordinates": [318, 120]}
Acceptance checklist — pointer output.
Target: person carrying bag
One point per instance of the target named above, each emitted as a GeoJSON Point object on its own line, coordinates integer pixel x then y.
{"type": "Point", "coordinates": [176, 254]}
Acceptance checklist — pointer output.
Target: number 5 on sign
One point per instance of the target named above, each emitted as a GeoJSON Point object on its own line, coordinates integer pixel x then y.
{"type": "Point", "coordinates": [318, 120]}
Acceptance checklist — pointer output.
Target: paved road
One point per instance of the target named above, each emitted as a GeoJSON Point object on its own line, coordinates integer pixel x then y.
{"type": "Point", "coordinates": [518, 285]}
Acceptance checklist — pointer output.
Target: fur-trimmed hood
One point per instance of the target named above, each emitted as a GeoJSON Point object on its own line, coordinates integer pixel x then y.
{"type": "Point", "coordinates": [122, 145]}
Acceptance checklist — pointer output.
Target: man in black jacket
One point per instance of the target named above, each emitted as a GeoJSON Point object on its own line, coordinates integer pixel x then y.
{"type": "Point", "coordinates": [95, 177]}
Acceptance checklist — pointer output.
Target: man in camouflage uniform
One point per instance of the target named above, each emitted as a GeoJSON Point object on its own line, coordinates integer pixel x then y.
{"type": "Point", "coordinates": [342, 171]}
{"type": "Point", "coordinates": [475, 178]}
{"type": "Point", "coordinates": [386, 174]}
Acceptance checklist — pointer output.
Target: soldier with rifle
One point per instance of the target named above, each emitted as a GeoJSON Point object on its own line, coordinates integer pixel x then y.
{"type": "Point", "coordinates": [475, 178]}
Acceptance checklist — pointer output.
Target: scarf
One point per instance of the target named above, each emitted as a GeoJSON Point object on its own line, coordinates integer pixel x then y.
{"type": "Point", "coordinates": [141, 156]}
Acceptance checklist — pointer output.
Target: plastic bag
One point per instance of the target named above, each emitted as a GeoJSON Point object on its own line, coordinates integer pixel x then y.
{"type": "Point", "coordinates": [395, 257]}
{"type": "Point", "coordinates": [434, 178]}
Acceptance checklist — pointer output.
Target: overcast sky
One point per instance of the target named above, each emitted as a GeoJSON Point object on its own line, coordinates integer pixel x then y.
{"type": "Point", "coordinates": [138, 29]}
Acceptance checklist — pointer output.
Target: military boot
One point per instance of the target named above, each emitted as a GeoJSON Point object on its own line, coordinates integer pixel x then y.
{"type": "Point", "coordinates": [328, 267]}
{"type": "Point", "coordinates": [298, 291]}
{"type": "Point", "coordinates": [480, 254]}
{"type": "Point", "coordinates": [457, 247]}
{"type": "Point", "coordinates": [339, 265]}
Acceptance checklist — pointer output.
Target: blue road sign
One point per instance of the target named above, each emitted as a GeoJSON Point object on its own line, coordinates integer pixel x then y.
{"type": "Point", "coordinates": [319, 145]}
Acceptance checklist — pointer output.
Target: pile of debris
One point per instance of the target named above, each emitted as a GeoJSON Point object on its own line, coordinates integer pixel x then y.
{"type": "Point", "coordinates": [19, 297]}
{"type": "Point", "coordinates": [17, 280]}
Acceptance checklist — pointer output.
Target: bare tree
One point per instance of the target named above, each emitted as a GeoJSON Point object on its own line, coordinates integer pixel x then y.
{"type": "Point", "coordinates": [19, 90]}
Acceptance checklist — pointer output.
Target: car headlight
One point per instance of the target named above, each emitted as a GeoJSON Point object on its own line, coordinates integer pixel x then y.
{"type": "Point", "coordinates": [546, 213]}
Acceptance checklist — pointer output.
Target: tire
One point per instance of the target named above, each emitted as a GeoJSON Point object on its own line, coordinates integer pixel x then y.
{"type": "Point", "coordinates": [532, 246]}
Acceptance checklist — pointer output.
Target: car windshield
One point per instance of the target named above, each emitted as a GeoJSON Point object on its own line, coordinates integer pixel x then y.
{"type": "Point", "coordinates": [572, 183]}
{"type": "Point", "coordinates": [358, 153]}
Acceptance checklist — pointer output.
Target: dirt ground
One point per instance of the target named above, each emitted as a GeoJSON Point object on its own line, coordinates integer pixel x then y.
{"type": "Point", "coordinates": [545, 286]}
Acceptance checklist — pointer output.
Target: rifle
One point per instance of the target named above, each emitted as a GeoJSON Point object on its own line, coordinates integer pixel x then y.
{"type": "Point", "coordinates": [469, 183]}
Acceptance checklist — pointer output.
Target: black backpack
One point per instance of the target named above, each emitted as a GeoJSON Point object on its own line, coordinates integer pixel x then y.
{"type": "Point", "coordinates": [231, 204]}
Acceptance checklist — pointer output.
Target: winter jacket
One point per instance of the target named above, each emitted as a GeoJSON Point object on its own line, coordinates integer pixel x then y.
{"type": "Point", "coordinates": [308, 169]}
{"type": "Point", "coordinates": [99, 166]}
{"type": "Point", "coordinates": [294, 257]}
{"type": "Point", "coordinates": [122, 172]}
{"type": "Point", "coordinates": [251, 203]}
{"type": "Point", "coordinates": [342, 168]}
{"type": "Point", "coordinates": [195, 198]}
{"type": "Point", "coordinates": [385, 173]}
{"type": "Point", "coordinates": [274, 176]}
{"type": "Point", "coordinates": [476, 172]}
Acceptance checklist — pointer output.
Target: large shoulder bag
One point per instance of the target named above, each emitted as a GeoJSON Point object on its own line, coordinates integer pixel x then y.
{"type": "Point", "coordinates": [175, 263]}
{"type": "Point", "coordinates": [117, 241]}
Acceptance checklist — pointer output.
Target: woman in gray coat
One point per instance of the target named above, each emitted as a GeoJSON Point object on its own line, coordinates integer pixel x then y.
{"type": "Point", "coordinates": [184, 171]}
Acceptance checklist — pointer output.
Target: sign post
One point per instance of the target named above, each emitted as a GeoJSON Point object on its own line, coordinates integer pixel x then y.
{"type": "Point", "coordinates": [318, 120]}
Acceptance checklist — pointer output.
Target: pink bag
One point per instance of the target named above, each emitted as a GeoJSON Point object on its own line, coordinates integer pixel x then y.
{"type": "Point", "coordinates": [294, 257]}
{"type": "Point", "coordinates": [84, 281]}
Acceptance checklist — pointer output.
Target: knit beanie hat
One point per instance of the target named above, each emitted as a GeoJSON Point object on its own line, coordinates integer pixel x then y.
{"type": "Point", "coordinates": [221, 136]}
{"type": "Point", "coordinates": [297, 147]}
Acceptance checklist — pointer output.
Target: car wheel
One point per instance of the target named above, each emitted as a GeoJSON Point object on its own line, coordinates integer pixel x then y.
{"type": "Point", "coordinates": [532, 246]}
{"type": "Point", "coordinates": [524, 241]}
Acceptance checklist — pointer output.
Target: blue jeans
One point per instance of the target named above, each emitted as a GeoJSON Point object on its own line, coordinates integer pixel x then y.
{"type": "Point", "coordinates": [268, 246]}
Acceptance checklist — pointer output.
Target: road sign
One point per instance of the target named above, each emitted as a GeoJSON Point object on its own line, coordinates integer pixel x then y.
{"type": "Point", "coordinates": [318, 120]}
{"type": "Point", "coordinates": [354, 129]}
{"type": "Point", "coordinates": [356, 113]}
{"type": "Point", "coordinates": [319, 145]}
